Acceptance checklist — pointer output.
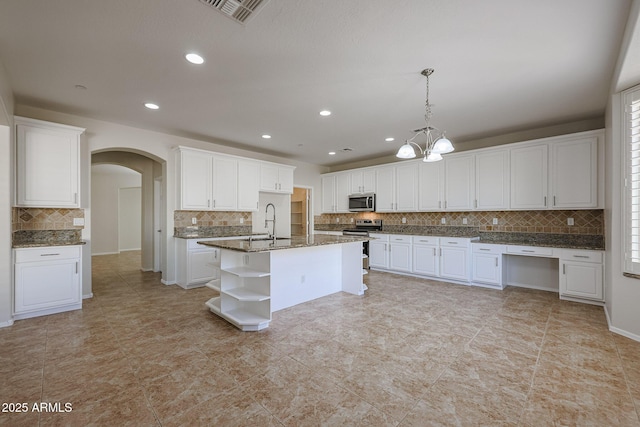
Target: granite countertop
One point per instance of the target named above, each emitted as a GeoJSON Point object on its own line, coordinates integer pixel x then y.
{"type": "Point", "coordinates": [567, 241]}
{"type": "Point", "coordinates": [294, 242]}
{"type": "Point", "coordinates": [215, 231]}
{"type": "Point", "coordinates": [42, 238]}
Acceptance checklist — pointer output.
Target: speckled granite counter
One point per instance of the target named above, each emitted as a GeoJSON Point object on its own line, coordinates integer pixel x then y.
{"type": "Point", "coordinates": [415, 230]}
{"type": "Point", "coordinates": [293, 242]}
{"type": "Point", "coordinates": [569, 241]}
{"type": "Point", "coordinates": [40, 238]}
{"type": "Point", "coordinates": [217, 231]}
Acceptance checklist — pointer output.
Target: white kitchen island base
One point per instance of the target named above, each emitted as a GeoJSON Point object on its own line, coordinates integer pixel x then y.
{"type": "Point", "coordinates": [255, 284]}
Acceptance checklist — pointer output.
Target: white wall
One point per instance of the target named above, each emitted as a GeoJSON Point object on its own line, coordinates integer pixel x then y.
{"type": "Point", "coordinates": [105, 136]}
{"type": "Point", "coordinates": [129, 218]}
{"type": "Point", "coordinates": [282, 203]}
{"type": "Point", "coordinates": [622, 294]}
{"type": "Point", "coordinates": [6, 197]}
{"type": "Point", "coordinates": [106, 182]}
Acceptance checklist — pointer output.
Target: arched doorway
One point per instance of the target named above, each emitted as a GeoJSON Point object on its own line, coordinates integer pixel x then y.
{"type": "Point", "coordinates": [151, 218]}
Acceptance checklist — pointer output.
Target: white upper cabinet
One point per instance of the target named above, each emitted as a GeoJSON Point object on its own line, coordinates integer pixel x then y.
{"type": "Point", "coordinates": [529, 177]}
{"type": "Point", "coordinates": [430, 186]}
{"type": "Point", "coordinates": [195, 180]}
{"type": "Point", "coordinates": [48, 164]}
{"type": "Point", "coordinates": [248, 185]}
{"type": "Point", "coordinates": [335, 192]}
{"type": "Point", "coordinates": [363, 181]}
{"type": "Point", "coordinates": [574, 174]}
{"type": "Point", "coordinates": [276, 178]}
{"type": "Point", "coordinates": [459, 188]}
{"type": "Point", "coordinates": [397, 188]}
{"type": "Point", "coordinates": [225, 184]}
{"type": "Point", "coordinates": [492, 180]}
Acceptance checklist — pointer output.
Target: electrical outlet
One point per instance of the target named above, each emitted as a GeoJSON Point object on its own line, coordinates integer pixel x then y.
{"type": "Point", "coordinates": [337, 220]}
{"type": "Point", "coordinates": [241, 220]}
{"type": "Point", "coordinates": [570, 221]}
{"type": "Point", "coordinates": [194, 221]}
{"type": "Point", "coordinates": [404, 220]}
{"type": "Point", "coordinates": [443, 221]}
{"type": "Point", "coordinates": [351, 219]}
{"type": "Point", "coordinates": [464, 221]}
{"type": "Point", "coordinates": [78, 221]}
{"type": "Point", "coordinates": [495, 221]}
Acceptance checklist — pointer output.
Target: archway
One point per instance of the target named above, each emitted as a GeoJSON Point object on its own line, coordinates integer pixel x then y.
{"type": "Point", "coordinates": [151, 210]}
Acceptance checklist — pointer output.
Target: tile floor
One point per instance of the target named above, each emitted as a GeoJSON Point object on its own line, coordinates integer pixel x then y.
{"type": "Point", "coordinates": [411, 352]}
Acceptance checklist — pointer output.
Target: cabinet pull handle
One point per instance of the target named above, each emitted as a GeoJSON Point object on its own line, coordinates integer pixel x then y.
{"type": "Point", "coordinates": [434, 251]}
{"type": "Point", "coordinates": [76, 267]}
{"type": "Point", "coordinates": [208, 203]}
{"type": "Point", "coordinates": [440, 252]}
{"type": "Point", "coordinates": [475, 203]}
{"type": "Point", "coordinates": [554, 200]}
{"type": "Point", "coordinates": [445, 204]}
{"type": "Point", "coordinates": [564, 271]}
{"type": "Point", "coordinates": [484, 249]}
{"type": "Point", "coordinates": [545, 200]}
{"type": "Point", "coordinates": [581, 256]}
{"type": "Point", "coordinates": [496, 261]}
{"type": "Point", "coordinates": [75, 198]}
{"type": "Point", "coordinates": [526, 250]}
{"type": "Point", "coordinates": [452, 243]}
{"type": "Point", "coordinates": [49, 254]}
{"type": "Point", "coordinates": [439, 204]}
{"type": "Point", "coordinates": [214, 203]}
{"type": "Point", "coordinates": [385, 247]}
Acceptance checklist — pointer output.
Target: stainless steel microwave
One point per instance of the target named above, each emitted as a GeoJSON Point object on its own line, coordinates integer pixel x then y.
{"type": "Point", "coordinates": [365, 202]}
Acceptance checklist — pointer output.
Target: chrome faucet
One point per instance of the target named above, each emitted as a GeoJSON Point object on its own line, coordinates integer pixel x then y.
{"type": "Point", "coordinates": [273, 220]}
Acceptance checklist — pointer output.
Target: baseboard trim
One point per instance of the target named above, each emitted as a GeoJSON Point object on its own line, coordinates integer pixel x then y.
{"type": "Point", "coordinates": [167, 282]}
{"type": "Point", "coordinates": [105, 253]}
{"type": "Point", "coordinates": [6, 324]}
{"type": "Point", "coordinates": [90, 295]}
{"type": "Point", "coordinates": [618, 330]}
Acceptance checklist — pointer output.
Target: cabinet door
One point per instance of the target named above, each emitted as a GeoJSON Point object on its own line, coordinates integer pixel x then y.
{"type": "Point", "coordinates": [459, 185]}
{"type": "Point", "coordinates": [378, 254]}
{"type": "Point", "coordinates": [453, 263]}
{"type": "Point", "coordinates": [202, 266]}
{"type": "Point", "coordinates": [343, 182]}
{"type": "Point", "coordinates": [356, 186]}
{"type": "Point", "coordinates": [425, 260]}
{"type": "Point", "coordinates": [385, 194]}
{"type": "Point", "coordinates": [285, 180]}
{"type": "Point", "coordinates": [363, 181]}
{"type": "Point", "coordinates": [407, 187]}
{"type": "Point", "coordinates": [42, 285]}
{"type": "Point", "coordinates": [529, 177]}
{"type": "Point", "coordinates": [574, 174]}
{"type": "Point", "coordinates": [195, 181]}
{"type": "Point", "coordinates": [248, 185]}
{"type": "Point", "coordinates": [492, 180]}
{"type": "Point", "coordinates": [48, 167]}
{"type": "Point", "coordinates": [430, 185]}
{"type": "Point", "coordinates": [400, 257]}
{"type": "Point", "coordinates": [269, 177]}
{"type": "Point", "coordinates": [328, 194]}
{"type": "Point", "coordinates": [487, 269]}
{"type": "Point", "coordinates": [225, 184]}
{"type": "Point", "coordinates": [581, 279]}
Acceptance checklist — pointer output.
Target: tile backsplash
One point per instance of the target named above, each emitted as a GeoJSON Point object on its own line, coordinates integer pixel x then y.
{"type": "Point", "coordinates": [45, 218]}
{"type": "Point", "coordinates": [585, 221]}
{"type": "Point", "coordinates": [210, 219]}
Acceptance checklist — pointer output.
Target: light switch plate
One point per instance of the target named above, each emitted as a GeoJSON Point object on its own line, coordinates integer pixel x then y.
{"type": "Point", "coordinates": [78, 221]}
{"type": "Point", "coordinates": [570, 221]}
{"type": "Point", "coordinates": [464, 221]}
{"type": "Point", "coordinates": [495, 221]}
{"type": "Point", "coordinates": [194, 221]}
{"type": "Point", "coordinates": [443, 221]}
{"type": "Point", "coordinates": [404, 220]}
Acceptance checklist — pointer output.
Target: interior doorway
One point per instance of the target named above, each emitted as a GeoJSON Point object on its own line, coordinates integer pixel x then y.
{"type": "Point", "coordinates": [301, 211]}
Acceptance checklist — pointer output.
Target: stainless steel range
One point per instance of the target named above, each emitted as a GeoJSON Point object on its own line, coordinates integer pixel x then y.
{"type": "Point", "coordinates": [363, 228]}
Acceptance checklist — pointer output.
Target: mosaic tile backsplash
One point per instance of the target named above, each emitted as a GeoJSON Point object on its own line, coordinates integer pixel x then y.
{"type": "Point", "coordinates": [585, 221]}
{"type": "Point", "coordinates": [210, 219]}
{"type": "Point", "coordinates": [45, 218]}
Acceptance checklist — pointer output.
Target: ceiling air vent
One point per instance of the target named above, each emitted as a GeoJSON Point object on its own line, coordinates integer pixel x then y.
{"type": "Point", "coordinates": [238, 10]}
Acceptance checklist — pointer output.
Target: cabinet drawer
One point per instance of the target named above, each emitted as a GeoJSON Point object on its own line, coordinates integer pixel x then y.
{"type": "Point", "coordinates": [396, 238]}
{"type": "Point", "coordinates": [379, 237]}
{"type": "Point", "coordinates": [530, 250]}
{"type": "Point", "coordinates": [426, 240]}
{"type": "Point", "coordinates": [580, 255]}
{"type": "Point", "coordinates": [454, 241]}
{"type": "Point", "coordinates": [485, 248]}
{"type": "Point", "coordinates": [47, 253]}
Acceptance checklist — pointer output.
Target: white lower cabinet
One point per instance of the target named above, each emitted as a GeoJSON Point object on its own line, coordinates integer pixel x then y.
{"type": "Point", "coordinates": [426, 260]}
{"type": "Point", "coordinates": [400, 253]}
{"type": "Point", "coordinates": [487, 265]}
{"type": "Point", "coordinates": [378, 251]}
{"type": "Point", "coordinates": [47, 280]}
{"type": "Point", "coordinates": [581, 275]}
{"type": "Point", "coordinates": [454, 258]}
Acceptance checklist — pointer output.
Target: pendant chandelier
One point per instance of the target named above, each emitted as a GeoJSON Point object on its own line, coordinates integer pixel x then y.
{"type": "Point", "coordinates": [436, 142]}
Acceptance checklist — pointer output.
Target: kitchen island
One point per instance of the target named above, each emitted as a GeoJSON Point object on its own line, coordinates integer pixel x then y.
{"type": "Point", "coordinates": [260, 276]}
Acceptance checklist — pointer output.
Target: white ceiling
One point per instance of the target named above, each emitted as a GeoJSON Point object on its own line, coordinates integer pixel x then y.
{"type": "Point", "coordinates": [500, 66]}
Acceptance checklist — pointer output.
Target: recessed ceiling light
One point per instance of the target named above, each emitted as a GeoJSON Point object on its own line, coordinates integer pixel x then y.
{"type": "Point", "coordinates": [194, 58]}
{"type": "Point", "coordinates": [332, 153]}
{"type": "Point", "coordinates": [151, 106]}
{"type": "Point", "coordinates": [389, 139]}
{"type": "Point", "coordinates": [325, 113]}
{"type": "Point", "coordinates": [265, 136]}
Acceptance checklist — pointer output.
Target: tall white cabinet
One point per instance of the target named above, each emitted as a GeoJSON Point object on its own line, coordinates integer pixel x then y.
{"type": "Point", "coordinates": [48, 164]}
